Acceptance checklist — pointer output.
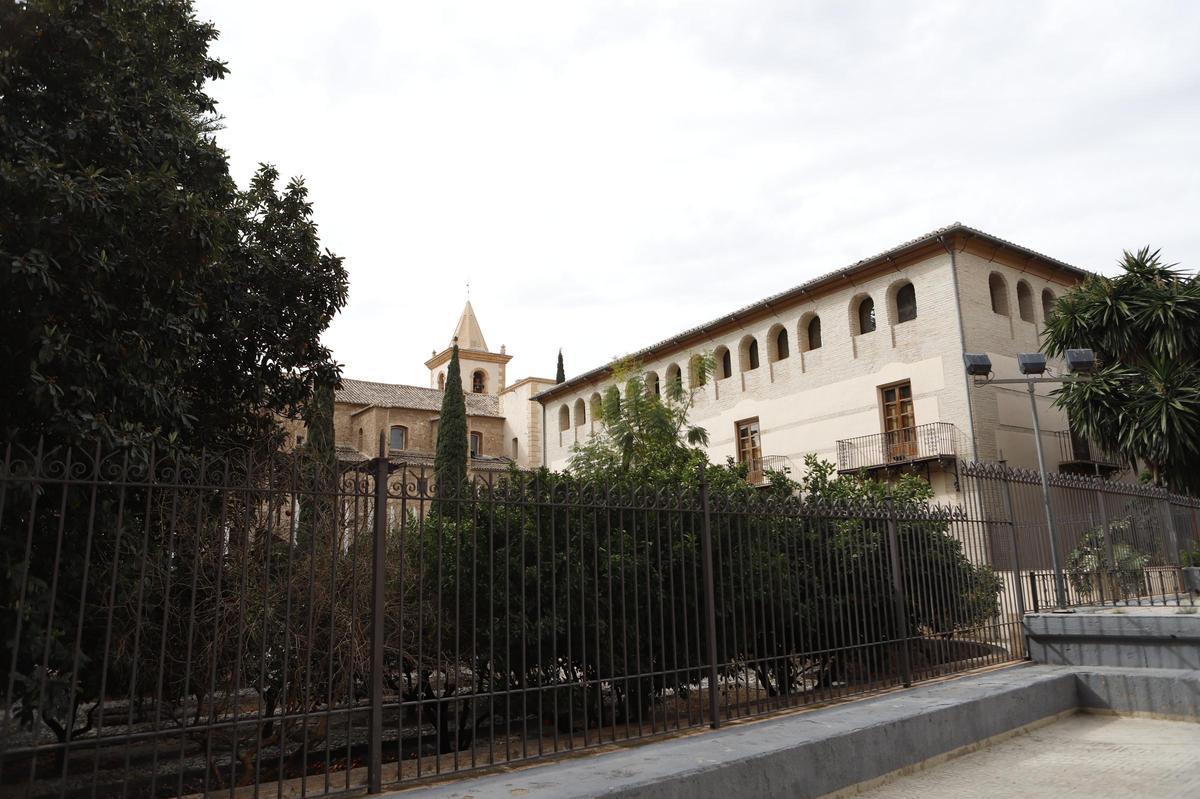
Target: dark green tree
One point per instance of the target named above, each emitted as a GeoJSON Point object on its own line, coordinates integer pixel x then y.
{"type": "Point", "coordinates": [319, 459]}
{"type": "Point", "coordinates": [560, 374]}
{"type": "Point", "coordinates": [1144, 399]}
{"type": "Point", "coordinates": [450, 459]}
{"type": "Point", "coordinates": [144, 300]}
{"type": "Point", "coordinates": [143, 297]}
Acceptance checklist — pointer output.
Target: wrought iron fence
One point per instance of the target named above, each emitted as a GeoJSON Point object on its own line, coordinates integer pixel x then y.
{"type": "Point", "coordinates": [237, 623]}
{"type": "Point", "coordinates": [1115, 542]}
{"type": "Point", "coordinates": [932, 441]}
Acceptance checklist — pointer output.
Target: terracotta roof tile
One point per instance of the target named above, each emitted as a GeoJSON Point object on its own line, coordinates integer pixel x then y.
{"type": "Point", "coordinates": [394, 395]}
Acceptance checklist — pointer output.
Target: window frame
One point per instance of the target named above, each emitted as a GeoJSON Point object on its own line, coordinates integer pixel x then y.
{"type": "Point", "coordinates": [753, 428]}
{"type": "Point", "coordinates": [392, 430]}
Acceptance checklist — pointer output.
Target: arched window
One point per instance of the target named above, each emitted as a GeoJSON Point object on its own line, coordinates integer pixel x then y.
{"type": "Point", "coordinates": [479, 381]}
{"type": "Point", "coordinates": [675, 376]}
{"type": "Point", "coordinates": [441, 381]}
{"type": "Point", "coordinates": [1047, 303]}
{"type": "Point", "coordinates": [999, 291]}
{"type": "Point", "coordinates": [652, 387]}
{"type": "Point", "coordinates": [398, 437]}
{"type": "Point", "coordinates": [580, 413]}
{"type": "Point", "coordinates": [516, 448]}
{"type": "Point", "coordinates": [597, 408]}
{"type": "Point", "coordinates": [696, 375]}
{"type": "Point", "coordinates": [564, 418]}
{"type": "Point", "coordinates": [476, 444]}
{"type": "Point", "coordinates": [362, 441]}
{"type": "Point", "coordinates": [749, 354]}
{"type": "Point", "coordinates": [780, 347]}
{"type": "Point", "coordinates": [865, 315]}
{"type": "Point", "coordinates": [724, 363]}
{"type": "Point", "coordinates": [812, 333]}
{"type": "Point", "coordinates": [906, 303]}
{"type": "Point", "coordinates": [1024, 301]}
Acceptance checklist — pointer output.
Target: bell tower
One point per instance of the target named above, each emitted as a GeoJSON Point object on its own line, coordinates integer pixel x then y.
{"type": "Point", "coordinates": [482, 370]}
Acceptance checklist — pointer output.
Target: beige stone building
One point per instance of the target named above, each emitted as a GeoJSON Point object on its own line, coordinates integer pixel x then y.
{"type": "Point", "coordinates": [502, 420]}
{"type": "Point", "coordinates": [864, 367]}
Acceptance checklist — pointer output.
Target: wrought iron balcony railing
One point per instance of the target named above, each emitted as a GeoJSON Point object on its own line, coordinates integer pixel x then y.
{"type": "Point", "coordinates": [933, 441]}
{"type": "Point", "coordinates": [1077, 453]}
{"type": "Point", "coordinates": [757, 468]}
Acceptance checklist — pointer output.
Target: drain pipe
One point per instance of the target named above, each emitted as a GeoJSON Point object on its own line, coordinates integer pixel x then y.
{"type": "Point", "coordinates": [962, 344]}
{"type": "Point", "coordinates": [544, 464]}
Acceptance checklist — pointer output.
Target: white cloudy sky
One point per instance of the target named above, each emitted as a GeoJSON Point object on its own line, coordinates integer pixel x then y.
{"type": "Point", "coordinates": [607, 174]}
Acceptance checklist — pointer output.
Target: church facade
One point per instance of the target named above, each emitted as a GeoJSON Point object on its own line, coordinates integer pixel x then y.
{"type": "Point", "coordinates": [503, 422]}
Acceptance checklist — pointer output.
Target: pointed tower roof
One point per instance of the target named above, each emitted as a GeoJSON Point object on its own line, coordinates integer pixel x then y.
{"type": "Point", "coordinates": [469, 336]}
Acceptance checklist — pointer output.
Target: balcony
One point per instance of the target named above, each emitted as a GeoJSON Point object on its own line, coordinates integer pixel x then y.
{"type": "Point", "coordinates": [937, 441]}
{"type": "Point", "coordinates": [757, 468]}
{"type": "Point", "coordinates": [1079, 455]}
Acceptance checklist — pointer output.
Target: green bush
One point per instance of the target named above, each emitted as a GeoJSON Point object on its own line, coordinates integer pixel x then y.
{"type": "Point", "coordinates": [1090, 563]}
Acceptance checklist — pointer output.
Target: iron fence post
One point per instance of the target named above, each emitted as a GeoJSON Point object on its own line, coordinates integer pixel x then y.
{"type": "Point", "coordinates": [898, 603]}
{"type": "Point", "coordinates": [1173, 545]}
{"type": "Point", "coordinates": [375, 754]}
{"type": "Point", "coordinates": [1108, 545]}
{"type": "Point", "coordinates": [710, 601]}
{"type": "Point", "coordinates": [1169, 521]}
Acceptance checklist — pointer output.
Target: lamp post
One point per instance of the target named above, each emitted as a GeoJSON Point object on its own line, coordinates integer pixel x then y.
{"type": "Point", "coordinates": [1033, 366]}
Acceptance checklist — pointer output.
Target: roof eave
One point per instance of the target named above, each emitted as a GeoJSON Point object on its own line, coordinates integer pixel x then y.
{"type": "Point", "coordinates": [788, 295]}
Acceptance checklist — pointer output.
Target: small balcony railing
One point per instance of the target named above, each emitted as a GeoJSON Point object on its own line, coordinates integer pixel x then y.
{"type": "Point", "coordinates": [933, 441]}
{"type": "Point", "coordinates": [757, 468]}
{"type": "Point", "coordinates": [1077, 453]}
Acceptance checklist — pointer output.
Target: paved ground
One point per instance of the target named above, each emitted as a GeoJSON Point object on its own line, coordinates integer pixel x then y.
{"type": "Point", "coordinates": [1095, 757]}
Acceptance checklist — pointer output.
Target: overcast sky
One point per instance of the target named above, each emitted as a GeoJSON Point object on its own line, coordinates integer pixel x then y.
{"type": "Point", "coordinates": [608, 174]}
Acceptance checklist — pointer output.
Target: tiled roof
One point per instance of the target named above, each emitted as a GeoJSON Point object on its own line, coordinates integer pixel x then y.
{"type": "Point", "coordinates": [393, 395]}
{"type": "Point", "coordinates": [416, 461]}
{"type": "Point", "coordinates": [808, 285]}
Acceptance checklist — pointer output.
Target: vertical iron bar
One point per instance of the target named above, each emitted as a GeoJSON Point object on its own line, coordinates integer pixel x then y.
{"type": "Point", "coordinates": [898, 602]}
{"type": "Point", "coordinates": [710, 602]}
{"type": "Point", "coordinates": [1016, 546]}
{"type": "Point", "coordinates": [375, 764]}
{"type": "Point", "coordinates": [1106, 573]}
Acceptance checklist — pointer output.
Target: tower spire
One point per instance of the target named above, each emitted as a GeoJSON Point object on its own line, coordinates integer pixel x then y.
{"type": "Point", "coordinates": [467, 333]}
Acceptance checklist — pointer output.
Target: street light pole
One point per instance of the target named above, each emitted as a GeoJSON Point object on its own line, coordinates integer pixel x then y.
{"type": "Point", "coordinates": [1060, 586]}
{"type": "Point", "coordinates": [1031, 365]}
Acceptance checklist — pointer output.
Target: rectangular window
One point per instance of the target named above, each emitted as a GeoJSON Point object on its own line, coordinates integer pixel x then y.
{"type": "Point", "coordinates": [749, 445]}
{"type": "Point", "coordinates": [899, 433]}
{"type": "Point", "coordinates": [749, 450]}
{"type": "Point", "coordinates": [398, 439]}
{"type": "Point", "coordinates": [476, 445]}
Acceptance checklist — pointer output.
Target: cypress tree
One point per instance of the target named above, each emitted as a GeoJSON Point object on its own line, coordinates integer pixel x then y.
{"type": "Point", "coordinates": [561, 375]}
{"type": "Point", "coordinates": [450, 460]}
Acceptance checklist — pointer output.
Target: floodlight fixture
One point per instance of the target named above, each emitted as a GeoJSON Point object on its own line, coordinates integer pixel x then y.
{"type": "Point", "coordinates": [1031, 363]}
{"type": "Point", "coordinates": [1082, 360]}
{"type": "Point", "coordinates": [978, 364]}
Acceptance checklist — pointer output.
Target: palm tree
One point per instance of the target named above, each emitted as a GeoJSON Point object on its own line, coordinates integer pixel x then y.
{"type": "Point", "coordinates": [1144, 397]}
